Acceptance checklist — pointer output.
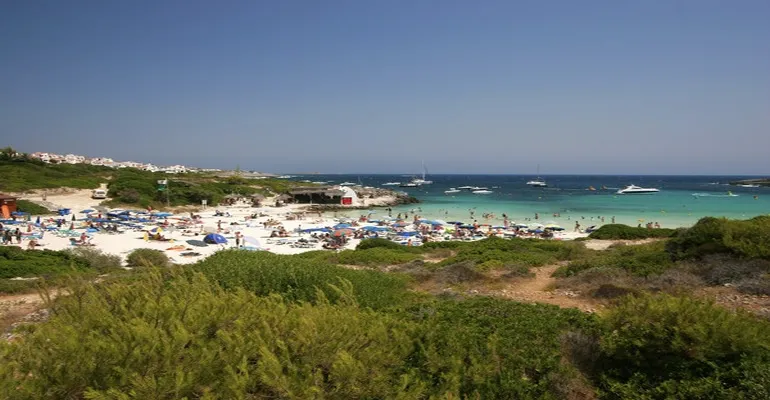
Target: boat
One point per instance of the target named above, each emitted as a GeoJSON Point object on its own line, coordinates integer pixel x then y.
{"type": "Point", "coordinates": [391, 184]}
{"type": "Point", "coordinates": [591, 188]}
{"type": "Point", "coordinates": [537, 182]}
{"type": "Point", "coordinates": [408, 184]}
{"type": "Point", "coordinates": [452, 190]}
{"type": "Point", "coordinates": [465, 187]}
{"type": "Point", "coordinates": [482, 191]}
{"type": "Point", "coordinates": [729, 194]}
{"type": "Point", "coordinates": [422, 181]}
{"type": "Point", "coordinates": [748, 186]}
{"type": "Point", "coordinates": [633, 189]}
{"type": "Point", "coordinates": [347, 184]}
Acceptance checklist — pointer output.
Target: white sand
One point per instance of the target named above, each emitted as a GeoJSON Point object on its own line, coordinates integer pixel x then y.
{"type": "Point", "coordinates": [123, 243]}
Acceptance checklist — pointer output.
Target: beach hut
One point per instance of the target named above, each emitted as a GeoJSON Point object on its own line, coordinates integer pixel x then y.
{"type": "Point", "coordinates": [349, 196]}
{"type": "Point", "coordinates": [7, 205]}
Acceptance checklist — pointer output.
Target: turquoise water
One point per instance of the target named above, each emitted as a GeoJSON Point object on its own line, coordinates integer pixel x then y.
{"type": "Point", "coordinates": [674, 206]}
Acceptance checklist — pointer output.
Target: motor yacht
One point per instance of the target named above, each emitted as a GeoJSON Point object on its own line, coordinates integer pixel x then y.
{"type": "Point", "coordinates": [482, 191]}
{"type": "Point", "coordinates": [537, 182]}
{"type": "Point", "coordinates": [452, 190]}
{"type": "Point", "coordinates": [408, 184]}
{"type": "Point", "coordinates": [466, 187]}
{"type": "Point", "coordinates": [391, 184]}
{"type": "Point", "coordinates": [633, 189]}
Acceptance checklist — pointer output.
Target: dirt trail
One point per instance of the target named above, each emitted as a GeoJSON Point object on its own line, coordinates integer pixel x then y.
{"type": "Point", "coordinates": [539, 289]}
{"type": "Point", "coordinates": [21, 308]}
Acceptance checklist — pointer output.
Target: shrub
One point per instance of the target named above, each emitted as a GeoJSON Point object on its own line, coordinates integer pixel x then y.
{"type": "Point", "coordinates": [298, 278]}
{"type": "Point", "coordinates": [743, 238]}
{"type": "Point", "coordinates": [373, 256]}
{"type": "Point", "coordinates": [32, 208]}
{"type": "Point", "coordinates": [378, 242]}
{"type": "Point", "coordinates": [640, 260]}
{"type": "Point", "coordinates": [147, 257]}
{"type": "Point", "coordinates": [668, 347]}
{"type": "Point", "coordinates": [625, 232]}
{"type": "Point", "coordinates": [96, 259]}
{"type": "Point", "coordinates": [15, 262]}
{"type": "Point", "coordinates": [187, 338]}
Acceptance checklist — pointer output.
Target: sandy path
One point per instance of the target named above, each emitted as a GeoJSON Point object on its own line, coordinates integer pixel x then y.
{"type": "Point", "coordinates": [21, 308]}
{"type": "Point", "coordinates": [538, 289]}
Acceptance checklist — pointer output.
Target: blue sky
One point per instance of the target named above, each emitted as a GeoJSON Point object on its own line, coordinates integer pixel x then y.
{"type": "Point", "coordinates": [365, 86]}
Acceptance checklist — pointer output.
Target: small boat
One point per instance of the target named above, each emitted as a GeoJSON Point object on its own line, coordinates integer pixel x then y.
{"type": "Point", "coordinates": [482, 191]}
{"type": "Point", "coordinates": [391, 184]}
{"type": "Point", "coordinates": [537, 182]}
{"type": "Point", "coordinates": [748, 186]}
{"type": "Point", "coordinates": [408, 184]}
{"type": "Point", "coordinates": [466, 187]}
{"type": "Point", "coordinates": [633, 189]}
{"type": "Point", "coordinates": [422, 181]}
{"type": "Point", "coordinates": [729, 194]}
{"type": "Point", "coordinates": [478, 188]}
{"type": "Point", "coordinates": [452, 190]}
{"type": "Point", "coordinates": [347, 184]}
{"type": "Point", "coordinates": [591, 188]}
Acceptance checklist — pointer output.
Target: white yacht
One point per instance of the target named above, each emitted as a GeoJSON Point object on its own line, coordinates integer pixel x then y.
{"type": "Point", "coordinates": [391, 184]}
{"type": "Point", "coordinates": [347, 184]}
{"type": "Point", "coordinates": [537, 182]}
{"type": "Point", "coordinates": [466, 187]}
{"type": "Point", "coordinates": [633, 189]}
{"type": "Point", "coordinates": [451, 190]}
{"type": "Point", "coordinates": [482, 191]}
{"type": "Point", "coordinates": [422, 181]}
{"type": "Point", "coordinates": [408, 184]}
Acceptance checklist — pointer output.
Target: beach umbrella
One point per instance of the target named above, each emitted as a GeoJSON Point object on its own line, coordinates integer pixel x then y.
{"type": "Point", "coordinates": [214, 238]}
{"type": "Point", "coordinates": [400, 224]}
{"type": "Point", "coordinates": [554, 227]}
{"type": "Point", "coordinates": [163, 214]}
{"type": "Point", "coordinates": [197, 243]}
{"type": "Point", "coordinates": [343, 232]}
{"type": "Point", "coordinates": [342, 226]}
{"type": "Point", "coordinates": [155, 230]}
{"type": "Point", "coordinates": [87, 211]}
{"type": "Point", "coordinates": [440, 222]}
{"type": "Point", "coordinates": [252, 241]}
{"type": "Point", "coordinates": [375, 228]}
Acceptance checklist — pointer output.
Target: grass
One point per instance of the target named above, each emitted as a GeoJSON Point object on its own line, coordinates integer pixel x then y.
{"type": "Point", "coordinates": [625, 232]}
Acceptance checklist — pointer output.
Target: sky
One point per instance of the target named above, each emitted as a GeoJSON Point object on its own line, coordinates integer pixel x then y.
{"type": "Point", "coordinates": [371, 86]}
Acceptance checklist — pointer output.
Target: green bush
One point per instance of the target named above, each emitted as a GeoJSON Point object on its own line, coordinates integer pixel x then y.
{"type": "Point", "coordinates": [147, 257]}
{"type": "Point", "coordinates": [640, 260]}
{"type": "Point", "coordinates": [378, 242]}
{"type": "Point", "coordinates": [184, 337]}
{"type": "Point", "coordinates": [32, 208]}
{"type": "Point", "coordinates": [512, 253]}
{"type": "Point", "coordinates": [96, 259]}
{"type": "Point", "coordinates": [492, 349]}
{"type": "Point", "coordinates": [625, 232]}
{"type": "Point", "coordinates": [743, 238]}
{"type": "Point", "coordinates": [15, 262]}
{"type": "Point", "coordinates": [668, 347]}
{"type": "Point", "coordinates": [298, 278]}
{"type": "Point", "coordinates": [373, 256]}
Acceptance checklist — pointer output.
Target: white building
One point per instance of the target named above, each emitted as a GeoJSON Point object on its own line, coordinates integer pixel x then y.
{"type": "Point", "coordinates": [74, 159]}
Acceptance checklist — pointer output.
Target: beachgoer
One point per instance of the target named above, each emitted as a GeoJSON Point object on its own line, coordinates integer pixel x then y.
{"type": "Point", "coordinates": [237, 239]}
{"type": "Point", "coordinates": [18, 236]}
{"type": "Point", "coordinates": [613, 219]}
{"type": "Point", "coordinates": [577, 226]}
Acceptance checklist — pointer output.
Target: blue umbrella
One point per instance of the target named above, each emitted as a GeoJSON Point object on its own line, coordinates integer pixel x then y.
{"type": "Point", "coordinates": [163, 214]}
{"type": "Point", "coordinates": [214, 238]}
{"type": "Point", "coordinates": [375, 228]}
{"type": "Point", "coordinates": [86, 211]}
{"type": "Point", "coordinates": [342, 226]}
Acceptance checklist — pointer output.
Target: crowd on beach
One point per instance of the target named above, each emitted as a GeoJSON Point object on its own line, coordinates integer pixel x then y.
{"type": "Point", "coordinates": [286, 230]}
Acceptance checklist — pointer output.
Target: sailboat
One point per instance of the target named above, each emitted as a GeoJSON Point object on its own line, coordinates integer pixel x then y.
{"type": "Point", "coordinates": [537, 182]}
{"type": "Point", "coordinates": [422, 181]}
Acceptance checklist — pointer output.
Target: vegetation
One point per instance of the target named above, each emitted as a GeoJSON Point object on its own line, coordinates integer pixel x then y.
{"type": "Point", "coordinates": [300, 278]}
{"type": "Point", "coordinates": [743, 238]}
{"type": "Point", "coordinates": [625, 232]}
{"type": "Point", "coordinates": [45, 265]}
{"type": "Point", "coordinates": [640, 260]}
{"type": "Point", "coordinates": [667, 347]}
{"type": "Point", "coordinates": [32, 208]}
{"type": "Point", "coordinates": [131, 186]}
{"type": "Point", "coordinates": [147, 258]}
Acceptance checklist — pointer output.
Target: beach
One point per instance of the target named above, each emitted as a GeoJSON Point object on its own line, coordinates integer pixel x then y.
{"type": "Point", "coordinates": [176, 231]}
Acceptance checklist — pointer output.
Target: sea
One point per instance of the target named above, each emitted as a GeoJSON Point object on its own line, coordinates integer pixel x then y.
{"type": "Point", "coordinates": [568, 200]}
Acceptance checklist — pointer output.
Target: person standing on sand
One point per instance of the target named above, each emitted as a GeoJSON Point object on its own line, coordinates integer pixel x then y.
{"type": "Point", "coordinates": [237, 239]}
{"type": "Point", "coordinates": [577, 226]}
{"type": "Point", "coordinates": [613, 219]}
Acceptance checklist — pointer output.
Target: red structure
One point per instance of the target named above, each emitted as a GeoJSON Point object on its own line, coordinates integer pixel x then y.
{"type": "Point", "coordinates": [7, 205]}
